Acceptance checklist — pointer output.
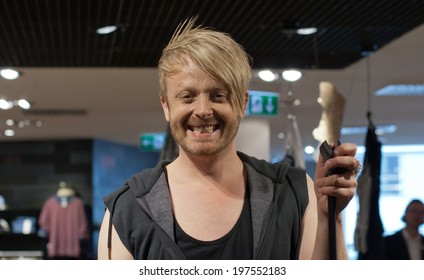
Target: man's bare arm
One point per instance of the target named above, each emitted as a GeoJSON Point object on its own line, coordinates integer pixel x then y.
{"type": "Point", "coordinates": [117, 250]}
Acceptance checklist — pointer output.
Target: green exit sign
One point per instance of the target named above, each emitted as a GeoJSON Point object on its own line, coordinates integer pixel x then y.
{"type": "Point", "coordinates": [263, 103]}
{"type": "Point", "coordinates": [152, 142]}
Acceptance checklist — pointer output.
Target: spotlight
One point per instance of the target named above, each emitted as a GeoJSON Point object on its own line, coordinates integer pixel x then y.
{"type": "Point", "coordinates": [24, 104]}
{"type": "Point", "coordinates": [5, 105]}
{"type": "Point", "coordinates": [9, 104]}
{"type": "Point", "coordinates": [267, 75]}
{"type": "Point", "coordinates": [309, 150]}
{"type": "Point", "coordinates": [10, 122]}
{"type": "Point", "coordinates": [9, 74]}
{"type": "Point", "coordinates": [306, 31]}
{"type": "Point", "coordinates": [9, 132]}
{"type": "Point", "coordinates": [291, 75]}
{"type": "Point", "coordinates": [106, 29]}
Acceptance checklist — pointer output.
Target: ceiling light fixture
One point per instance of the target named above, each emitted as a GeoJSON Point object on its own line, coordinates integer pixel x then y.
{"type": "Point", "coordinates": [401, 90]}
{"type": "Point", "coordinates": [5, 105]}
{"type": "Point", "coordinates": [24, 104]}
{"type": "Point", "coordinates": [9, 132]}
{"type": "Point", "coordinates": [9, 74]}
{"type": "Point", "coordinates": [379, 129]}
{"type": "Point", "coordinates": [267, 75]}
{"type": "Point", "coordinates": [291, 75]}
{"type": "Point", "coordinates": [309, 150]}
{"type": "Point", "coordinates": [10, 122]}
{"type": "Point", "coordinates": [9, 104]}
{"type": "Point", "coordinates": [106, 29]}
{"type": "Point", "coordinates": [306, 31]}
{"type": "Point", "coordinates": [23, 123]}
{"type": "Point", "coordinates": [281, 135]}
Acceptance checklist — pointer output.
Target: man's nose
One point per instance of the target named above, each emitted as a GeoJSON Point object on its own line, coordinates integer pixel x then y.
{"type": "Point", "coordinates": [203, 106]}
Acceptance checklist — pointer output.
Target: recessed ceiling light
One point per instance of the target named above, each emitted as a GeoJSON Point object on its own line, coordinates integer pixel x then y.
{"type": "Point", "coordinates": [291, 75]}
{"type": "Point", "coordinates": [10, 122]}
{"type": "Point", "coordinates": [307, 30]}
{"type": "Point", "coordinates": [106, 29]}
{"type": "Point", "coordinates": [296, 102]}
{"type": "Point", "coordinates": [5, 105]}
{"type": "Point", "coordinates": [9, 104]}
{"type": "Point", "coordinates": [9, 132]}
{"type": "Point", "coordinates": [309, 150]}
{"type": "Point", "coordinates": [267, 75]}
{"type": "Point", "coordinates": [9, 74]}
{"type": "Point", "coordinates": [24, 104]}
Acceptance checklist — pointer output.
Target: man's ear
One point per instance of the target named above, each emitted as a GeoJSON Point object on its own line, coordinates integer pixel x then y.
{"type": "Point", "coordinates": [165, 107]}
{"type": "Point", "coordinates": [246, 101]}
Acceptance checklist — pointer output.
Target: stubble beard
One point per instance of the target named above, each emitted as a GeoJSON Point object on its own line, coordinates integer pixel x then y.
{"type": "Point", "coordinates": [204, 147]}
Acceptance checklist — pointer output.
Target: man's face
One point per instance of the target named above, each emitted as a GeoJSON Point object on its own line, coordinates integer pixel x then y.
{"type": "Point", "coordinates": [415, 214]}
{"type": "Point", "coordinates": [201, 117]}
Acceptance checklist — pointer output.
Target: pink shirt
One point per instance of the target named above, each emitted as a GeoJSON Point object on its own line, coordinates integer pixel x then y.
{"type": "Point", "coordinates": [65, 226]}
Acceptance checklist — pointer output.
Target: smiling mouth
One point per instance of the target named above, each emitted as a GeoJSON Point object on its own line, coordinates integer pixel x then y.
{"type": "Point", "coordinates": [203, 129]}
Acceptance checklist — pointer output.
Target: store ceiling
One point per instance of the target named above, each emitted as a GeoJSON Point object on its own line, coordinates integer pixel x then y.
{"type": "Point", "coordinates": [51, 33]}
{"type": "Point", "coordinates": [87, 85]}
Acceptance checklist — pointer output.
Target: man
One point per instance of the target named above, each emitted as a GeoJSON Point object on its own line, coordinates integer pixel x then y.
{"type": "Point", "coordinates": [213, 202]}
{"type": "Point", "coordinates": [407, 243]}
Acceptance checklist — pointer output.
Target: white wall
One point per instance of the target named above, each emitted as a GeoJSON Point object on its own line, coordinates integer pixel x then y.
{"type": "Point", "coordinates": [253, 138]}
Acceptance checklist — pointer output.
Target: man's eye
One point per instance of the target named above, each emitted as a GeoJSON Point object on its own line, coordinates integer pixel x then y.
{"type": "Point", "coordinates": [187, 98]}
{"type": "Point", "coordinates": [219, 96]}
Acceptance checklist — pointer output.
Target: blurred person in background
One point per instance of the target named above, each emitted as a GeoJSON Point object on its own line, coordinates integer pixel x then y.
{"type": "Point", "coordinates": [407, 243]}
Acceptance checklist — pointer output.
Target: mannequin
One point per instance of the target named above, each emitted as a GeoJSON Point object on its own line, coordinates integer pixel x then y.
{"type": "Point", "coordinates": [333, 104]}
{"type": "Point", "coordinates": [64, 222]}
{"type": "Point", "coordinates": [65, 193]}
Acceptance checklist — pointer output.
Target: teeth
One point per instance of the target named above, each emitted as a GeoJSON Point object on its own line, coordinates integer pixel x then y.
{"type": "Point", "coordinates": [203, 129]}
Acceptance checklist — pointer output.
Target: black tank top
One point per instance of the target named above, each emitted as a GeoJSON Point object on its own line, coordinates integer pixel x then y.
{"type": "Point", "coordinates": [237, 244]}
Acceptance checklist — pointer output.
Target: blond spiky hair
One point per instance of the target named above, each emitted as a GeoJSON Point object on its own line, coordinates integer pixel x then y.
{"type": "Point", "coordinates": [214, 52]}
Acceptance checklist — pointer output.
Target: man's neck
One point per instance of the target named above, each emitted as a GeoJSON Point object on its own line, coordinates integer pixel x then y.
{"type": "Point", "coordinates": [209, 165]}
{"type": "Point", "coordinates": [412, 231]}
{"type": "Point", "coordinates": [207, 193]}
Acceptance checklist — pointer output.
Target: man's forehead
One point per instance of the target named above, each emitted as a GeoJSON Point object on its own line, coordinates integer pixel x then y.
{"type": "Point", "coordinates": [416, 205]}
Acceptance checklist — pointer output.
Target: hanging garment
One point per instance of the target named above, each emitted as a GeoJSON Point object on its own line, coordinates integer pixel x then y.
{"type": "Point", "coordinates": [369, 229]}
{"type": "Point", "coordinates": [293, 144]}
{"type": "Point", "coordinates": [65, 226]}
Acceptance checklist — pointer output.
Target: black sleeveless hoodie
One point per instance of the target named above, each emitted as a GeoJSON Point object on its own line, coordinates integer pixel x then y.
{"type": "Point", "coordinates": [141, 211]}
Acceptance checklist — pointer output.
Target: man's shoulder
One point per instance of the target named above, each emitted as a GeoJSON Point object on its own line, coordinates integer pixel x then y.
{"type": "Point", "coordinates": [394, 236]}
{"type": "Point", "coordinates": [271, 170]}
{"type": "Point", "coordinates": [259, 164]}
{"type": "Point", "coordinates": [139, 183]}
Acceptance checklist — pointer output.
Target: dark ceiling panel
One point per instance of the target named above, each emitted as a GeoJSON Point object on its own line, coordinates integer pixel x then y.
{"type": "Point", "coordinates": [53, 33]}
